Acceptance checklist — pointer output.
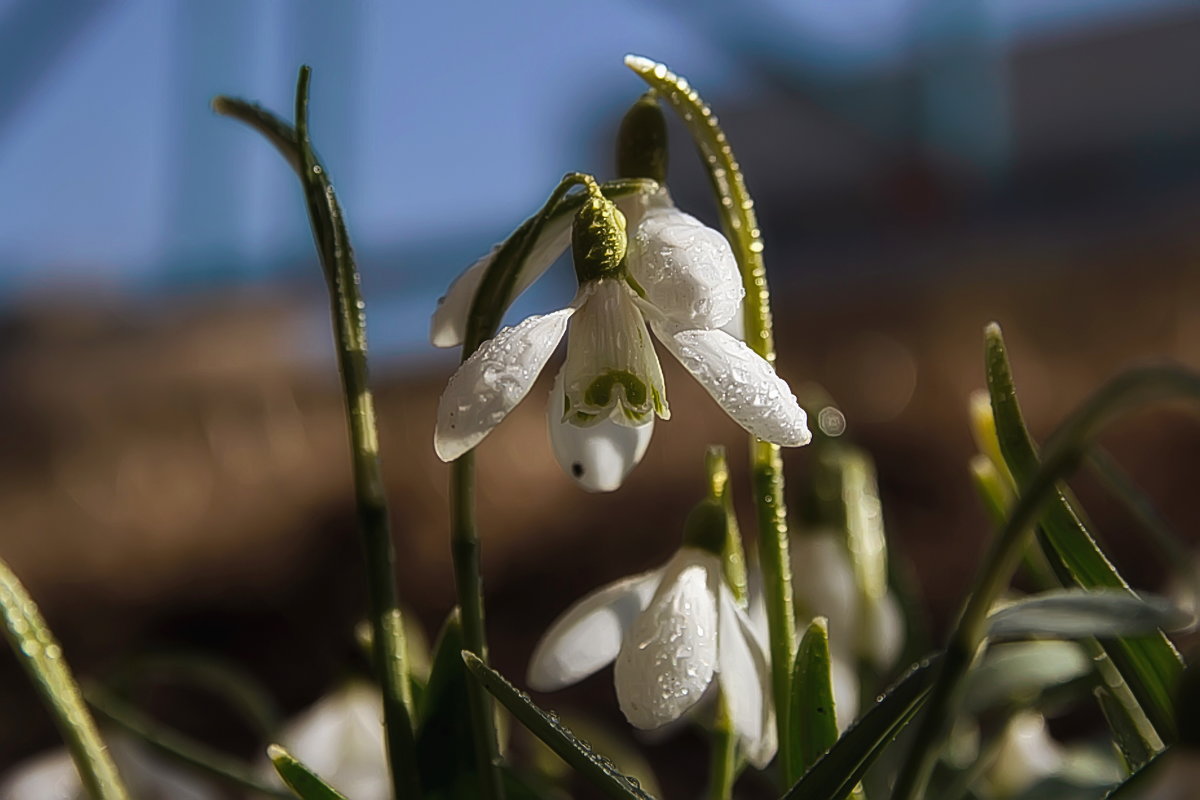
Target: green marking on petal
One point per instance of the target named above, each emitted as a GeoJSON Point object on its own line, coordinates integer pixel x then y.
{"type": "Point", "coordinates": [599, 393]}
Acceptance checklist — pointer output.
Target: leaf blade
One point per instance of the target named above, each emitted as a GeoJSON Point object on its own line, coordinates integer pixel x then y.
{"type": "Point", "coordinates": [41, 657]}
{"type": "Point", "coordinates": [811, 716]}
{"type": "Point", "coordinates": [836, 773]}
{"type": "Point", "coordinates": [306, 784]}
{"type": "Point", "coordinates": [569, 748]}
{"type": "Point", "coordinates": [1150, 664]}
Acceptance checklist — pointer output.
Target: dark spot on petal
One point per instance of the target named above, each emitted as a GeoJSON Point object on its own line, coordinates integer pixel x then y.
{"type": "Point", "coordinates": [577, 469]}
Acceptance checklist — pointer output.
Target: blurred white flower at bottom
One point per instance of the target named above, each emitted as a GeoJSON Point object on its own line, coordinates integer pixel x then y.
{"type": "Point", "coordinates": [340, 737]}
{"type": "Point", "coordinates": [148, 776]}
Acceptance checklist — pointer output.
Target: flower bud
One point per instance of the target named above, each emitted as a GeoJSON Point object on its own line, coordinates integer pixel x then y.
{"type": "Point", "coordinates": [642, 141]}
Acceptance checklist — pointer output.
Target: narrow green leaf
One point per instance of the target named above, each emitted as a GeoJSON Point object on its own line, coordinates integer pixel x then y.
{"type": "Point", "coordinates": [41, 657]}
{"type": "Point", "coordinates": [1149, 664]}
{"type": "Point", "coordinates": [300, 779]}
{"type": "Point", "coordinates": [595, 768]}
{"type": "Point", "coordinates": [835, 774]}
{"type": "Point", "coordinates": [811, 717]}
{"type": "Point", "coordinates": [1137, 785]}
{"type": "Point", "coordinates": [1076, 613]}
{"type": "Point", "coordinates": [1129, 740]}
{"type": "Point", "coordinates": [180, 747]}
{"type": "Point", "coordinates": [446, 746]}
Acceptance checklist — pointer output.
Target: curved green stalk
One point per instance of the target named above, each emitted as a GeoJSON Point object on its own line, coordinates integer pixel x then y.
{"type": "Point", "coordinates": [1127, 392]}
{"type": "Point", "coordinates": [741, 228]}
{"type": "Point", "coordinates": [349, 323]}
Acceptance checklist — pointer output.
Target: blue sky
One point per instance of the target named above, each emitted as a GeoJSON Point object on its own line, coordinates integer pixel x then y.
{"type": "Point", "coordinates": [443, 121]}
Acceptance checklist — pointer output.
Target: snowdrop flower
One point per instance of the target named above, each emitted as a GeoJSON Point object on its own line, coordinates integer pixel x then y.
{"type": "Point", "coordinates": [341, 738]}
{"type": "Point", "coordinates": [826, 586]}
{"type": "Point", "coordinates": [1027, 755]}
{"type": "Point", "coordinates": [52, 776]}
{"type": "Point", "coordinates": [672, 274]}
{"type": "Point", "coordinates": [672, 632]}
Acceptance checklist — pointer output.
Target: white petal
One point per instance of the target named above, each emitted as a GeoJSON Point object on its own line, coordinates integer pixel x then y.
{"type": "Point", "coordinates": [493, 380]}
{"type": "Point", "coordinates": [745, 676]}
{"type": "Point", "coordinates": [845, 691]}
{"type": "Point", "coordinates": [742, 382]}
{"type": "Point", "coordinates": [341, 738]}
{"type": "Point", "coordinates": [884, 631]}
{"type": "Point", "coordinates": [449, 323]}
{"type": "Point", "coordinates": [669, 655]}
{"type": "Point", "coordinates": [588, 635]}
{"type": "Point", "coordinates": [599, 456]}
{"type": "Point", "coordinates": [825, 586]}
{"type": "Point", "coordinates": [686, 268]}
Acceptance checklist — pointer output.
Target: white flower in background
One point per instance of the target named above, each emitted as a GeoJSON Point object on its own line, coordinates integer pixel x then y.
{"type": "Point", "coordinates": [671, 632]}
{"type": "Point", "coordinates": [340, 738]}
{"type": "Point", "coordinates": [1027, 755]}
{"type": "Point", "coordinates": [825, 585]}
{"type": "Point", "coordinates": [148, 776]}
{"type": "Point", "coordinates": [611, 386]}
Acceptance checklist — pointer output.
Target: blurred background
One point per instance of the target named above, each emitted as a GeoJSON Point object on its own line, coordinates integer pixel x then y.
{"type": "Point", "coordinates": [173, 468]}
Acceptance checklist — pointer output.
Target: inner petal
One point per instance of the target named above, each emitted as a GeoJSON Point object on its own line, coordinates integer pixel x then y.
{"type": "Point", "coordinates": [612, 371]}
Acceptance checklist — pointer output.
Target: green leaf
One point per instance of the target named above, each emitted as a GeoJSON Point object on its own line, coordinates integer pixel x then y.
{"type": "Point", "coordinates": [1076, 613]}
{"type": "Point", "coordinates": [836, 773]}
{"type": "Point", "coordinates": [300, 779]}
{"type": "Point", "coordinates": [180, 747]}
{"type": "Point", "coordinates": [1129, 740]}
{"type": "Point", "coordinates": [598, 770]}
{"type": "Point", "coordinates": [1137, 785]}
{"type": "Point", "coordinates": [811, 717]}
{"type": "Point", "coordinates": [41, 657]}
{"type": "Point", "coordinates": [1149, 664]}
{"type": "Point", "coordinates": [445, 741]}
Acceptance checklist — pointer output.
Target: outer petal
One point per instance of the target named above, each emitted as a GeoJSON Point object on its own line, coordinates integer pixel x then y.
{"type": "Point", "coordinates": [745, 676]}
{"type": "Point", "coordinates": [845, 691]}
{"type": "Point", "coordinates": [493, 380]}
{"type": "Point", "coordinates": [589, 634]}
{"type": "Point", "coordinates": [448, 326]}
{"type": "Point", "coordinates": [670, 653]}
{"type": "Point", "coordinates": [599, 456]}
{"type": "Point", "coordinates": [742, 382]}
{"type": "Point", "coordinates": [686, 268]}
{"type": "Point", "coordinates": [449, 323]}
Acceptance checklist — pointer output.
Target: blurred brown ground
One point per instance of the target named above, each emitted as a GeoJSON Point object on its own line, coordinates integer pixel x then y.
{"type": "Point", "coordinates": [175, 480]}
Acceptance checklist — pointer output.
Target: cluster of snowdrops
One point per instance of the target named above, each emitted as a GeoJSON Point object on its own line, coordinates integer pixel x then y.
{"type": "Point", "coordinates": [770, 656]}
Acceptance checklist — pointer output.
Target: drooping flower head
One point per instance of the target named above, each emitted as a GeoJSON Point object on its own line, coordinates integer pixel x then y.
{"type": "Point", "coordinates": [672, 632]}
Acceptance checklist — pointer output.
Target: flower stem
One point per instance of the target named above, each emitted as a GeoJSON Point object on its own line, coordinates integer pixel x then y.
{"type": "Point", "coordinates": [741, 228]}
{"type": "Point", "coordinates": [722, 769]}
{"type": "Point", "coordinates": [464, 546]}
